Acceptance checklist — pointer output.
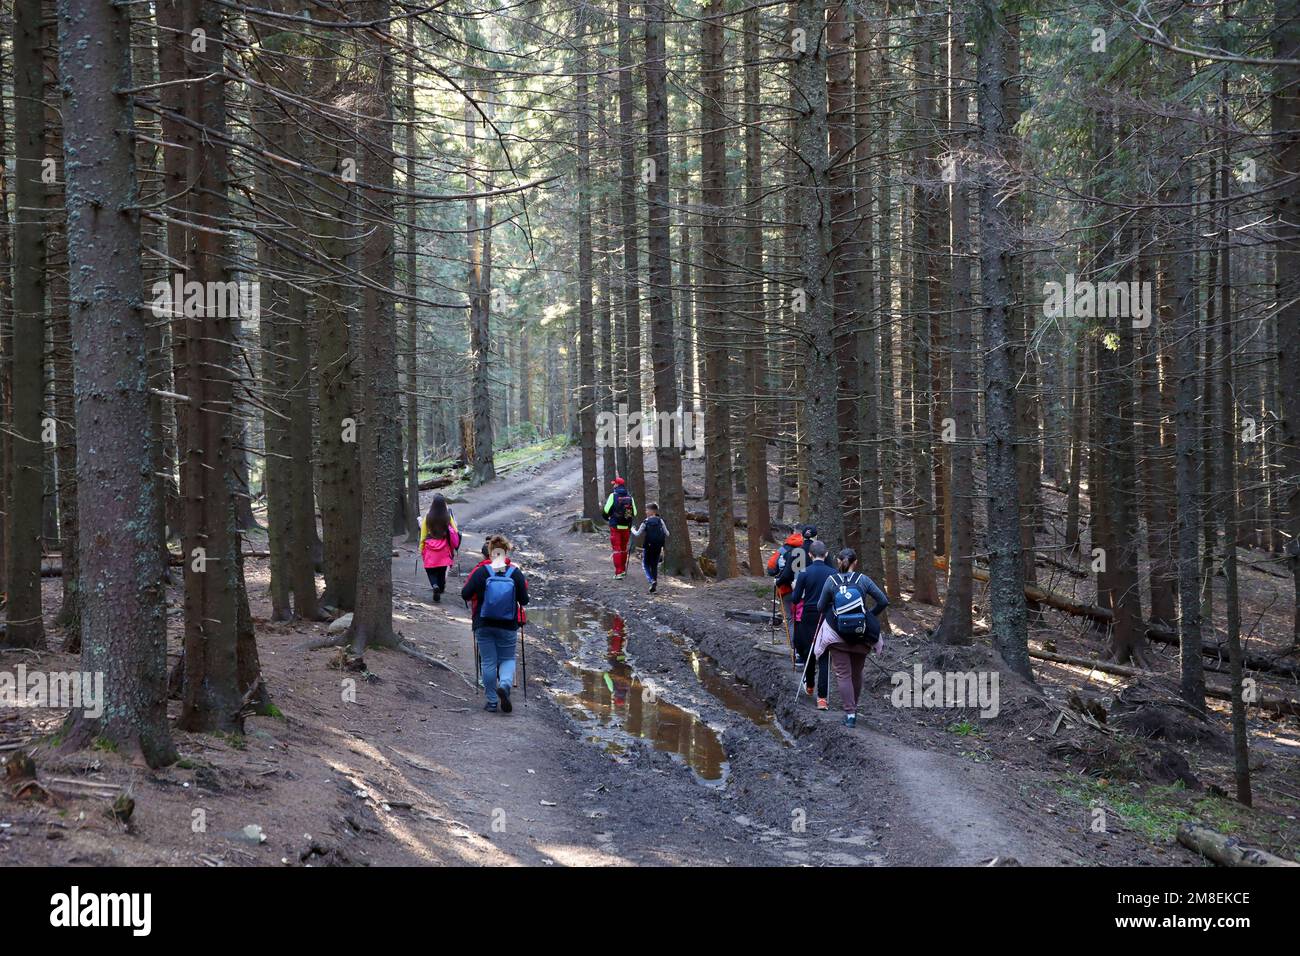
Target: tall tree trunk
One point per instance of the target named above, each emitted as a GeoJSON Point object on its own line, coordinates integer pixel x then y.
{"type": "Point", "coordinates": [1228, 445]}
{"type": "Point", "coordinates": [955, 625]}
{"type": "Point", "coordinates": [411, 309]}
{"type": "Point", "coordinates": [586, 343]}
{"type": "Point", "coordinates": [480, 342]}
{"type": "Point", "coordinates": [6, 346]}
{"type": "Point", "coordinates": [678, 559]}
{"type": "Point", "coordinates": [24, 624]}
{"type": "Point", "coordinates": [1187, 476]}
{"type": "Point", "coordinates": [715, 259]}
{"type": "Point", "coordinates": [1009, 622]}
{"type": "Point", "coordinates": [845, 259]}
{"type": "Point", "coordinates": [61, 363]}
{"type": "Point", "coordinates": [758, 518]}
{"type": "Point", "coordinates": [868, 352]}
{"type": "Point", "coordinates": [607, 367]}
{"type": "Point", "coordinates": [1285, 109]}
{"type": "Point", "coordinates": [686, 335]}
{"type": "Point", "coordinates": [372, 622]}
{"type": "Point", "coordinates": [1078, 440]}
{"type": "Point", "coordinates": [123, 619]}
{"type": "Point", "coordinates": [210, 539]}
{"type": "Point", "coordinates": [925, 297]}
{"type": "Point", "coordinates": [820, 436]}
{"type": "Point", "coordinates": [337, 449]}
{"type": "Point", "coordinates": [631, 343]}
{"type": "Point", "coordinates": [889, 456]}
{"type": "Point", "coordinates": [1128, 633]}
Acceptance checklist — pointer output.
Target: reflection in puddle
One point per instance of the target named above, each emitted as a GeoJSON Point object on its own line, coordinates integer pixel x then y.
{"type": "Point", "coordinates": [618, 703]}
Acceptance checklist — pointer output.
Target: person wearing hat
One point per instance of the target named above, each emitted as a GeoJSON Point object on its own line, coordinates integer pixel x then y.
{"type": "Point", "coordinates": [620, 512]}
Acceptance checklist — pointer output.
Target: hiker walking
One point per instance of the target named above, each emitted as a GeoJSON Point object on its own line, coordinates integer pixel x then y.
{"type": "Point", "coordinates": [620, 512]}
{"type": "Point", "coordinates": [784, 564]}
{"type": "Point", "coordinates": [849, 631]}
{"type": "Point", "coordinates": [496, 592]}
{"type": "Point", "coordinates": [439, 541]}
{"type": "Point", "coordinates": [652, 545]}
{"type": "Point", "coordinates": [808, 586]}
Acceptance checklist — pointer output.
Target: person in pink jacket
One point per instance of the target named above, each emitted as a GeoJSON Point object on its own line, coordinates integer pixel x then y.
{"type": "Point", "coordinates": [439, 541]}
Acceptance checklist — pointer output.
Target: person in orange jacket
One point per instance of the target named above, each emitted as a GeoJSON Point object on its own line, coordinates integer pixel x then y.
{"type": "Point", "coordinates": [784, 564]}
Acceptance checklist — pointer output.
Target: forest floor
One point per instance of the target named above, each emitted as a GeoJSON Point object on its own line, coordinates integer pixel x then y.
{"type": "Point", "coordinates": [655, 731]}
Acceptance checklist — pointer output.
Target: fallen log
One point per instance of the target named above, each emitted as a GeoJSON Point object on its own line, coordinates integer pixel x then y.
{"type": "Point", "coordinates": [1155, 632]}
{"type": "Point", "coordinates": [1252, 662]}
{"type": "Point", "coordinates": [1225, 850]}
{"type": "Point", "coordinates": [1278, 706]}
{"type": "Point", "coordinates": [702, 517]}
{"type": "Point", "coordinates": [753, 617]}
{"type": "Point", "coordinates": [438, 481]}
{"type": "Point", "coordinates": [1106, 668]}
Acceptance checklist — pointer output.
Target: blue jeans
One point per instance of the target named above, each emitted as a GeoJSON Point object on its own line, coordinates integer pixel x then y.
{"type": "Point", "coordinates": [496, 650]}
{"type": "Point", "coordinates": [650, 557]}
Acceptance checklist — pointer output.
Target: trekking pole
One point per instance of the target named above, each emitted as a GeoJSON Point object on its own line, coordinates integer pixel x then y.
{"type": "Point", "coordinates": [803, 678]}
{"type": "Point", "coordinates": [473, 639]}
{"type": "Point", "coordinates": [772, 622]}
{"type": "Point", "coordinates": [523, 661]}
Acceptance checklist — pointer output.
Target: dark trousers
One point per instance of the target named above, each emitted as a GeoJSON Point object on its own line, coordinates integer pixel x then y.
{"type": "Point", "coordinates": [651, 555]}
{"type": "Point", "coordinates": [803, 642]}
{"type": "Point", "coordinates": [437, 578]}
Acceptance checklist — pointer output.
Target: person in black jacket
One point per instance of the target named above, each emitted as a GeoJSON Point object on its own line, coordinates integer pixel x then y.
{"type": "Point", "coordinates": [808, 589]}
{"type": "Point", "coordinates": [496, 592]}
{"type": "Point", "coordinates": [652, 548]}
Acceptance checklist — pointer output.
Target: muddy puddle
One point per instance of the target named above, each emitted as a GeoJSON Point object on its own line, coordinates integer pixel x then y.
{"type": "Point", "coordinates": [616, 704]}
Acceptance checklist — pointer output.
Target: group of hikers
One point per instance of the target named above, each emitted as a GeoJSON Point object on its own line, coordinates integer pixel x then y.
{"type": "Point", "coordinates": [828, 624]}
{"type": "Point", "coordinates": [620, 511]}
{"type": "Point", "coordinates": [826, 616]}
{"type": "Point", "coordinates": [824, 607]}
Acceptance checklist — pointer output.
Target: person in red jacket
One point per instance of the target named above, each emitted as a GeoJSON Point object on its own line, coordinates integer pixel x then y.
{"type": "Point", "coordinates": [784, 564]}
{"type": "Point", "coordinates": [620, 512]}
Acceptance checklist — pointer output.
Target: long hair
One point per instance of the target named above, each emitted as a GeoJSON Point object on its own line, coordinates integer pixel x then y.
{"type": "Point", "coordinates": [846, 559]}
{"type": "Point", "coordinates": [438, 521]}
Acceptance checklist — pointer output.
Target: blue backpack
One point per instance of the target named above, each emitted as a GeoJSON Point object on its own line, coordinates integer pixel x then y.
{"type": "Point", "coordinates": [850, 609]}
{"type": "Point", "coordinates": [499, 603]}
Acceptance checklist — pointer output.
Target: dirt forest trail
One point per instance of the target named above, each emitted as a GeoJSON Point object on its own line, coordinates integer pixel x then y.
{"type": "Point", "coordinates": [609, 759]}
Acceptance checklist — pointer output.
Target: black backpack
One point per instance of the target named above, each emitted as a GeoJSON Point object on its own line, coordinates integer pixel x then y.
{"type": "Point", "coordinates": [654, 531]}
{"type": "Point", "coordinates": [619, 510]}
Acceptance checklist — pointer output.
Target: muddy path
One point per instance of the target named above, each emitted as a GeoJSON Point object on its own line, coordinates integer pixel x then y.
{"type": "Point", "coordinates": [694, 741]}
{"type": "Point", "coordinates": [636, 747]}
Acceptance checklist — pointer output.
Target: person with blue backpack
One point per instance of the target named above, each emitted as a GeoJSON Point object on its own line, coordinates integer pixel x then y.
{"type": "Point", "coordinates": [620, 512]}
{"type": "Point", "coordinates": [849, 630]}
{"type": "Point", "coordinates": [652, 545]}
{"type": "Point", "coordinates": [496, 592]}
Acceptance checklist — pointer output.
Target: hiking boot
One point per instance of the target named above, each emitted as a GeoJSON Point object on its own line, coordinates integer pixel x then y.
{"type": "Point", "coordinates": [850, 720]}
{"type": "Point", "coordinates": [823, 704]}
{"type": "Point", "coordinates": [490, 707]}
{"type": "Point", "coordinates": [437, 596]}
{"type": "Point", "coordinates": [653, 585]}
{"type": "Point", "coordinates": [503, 695]}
